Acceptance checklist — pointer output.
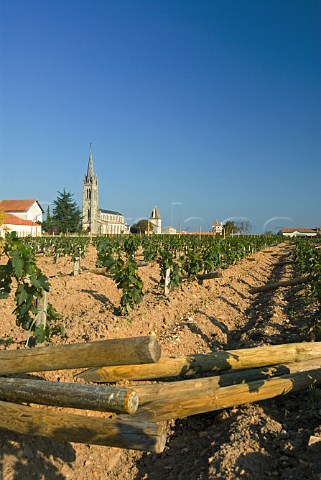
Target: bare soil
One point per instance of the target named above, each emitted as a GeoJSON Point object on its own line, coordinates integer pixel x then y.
{"type": "Point", "coordinates": [279, 438]}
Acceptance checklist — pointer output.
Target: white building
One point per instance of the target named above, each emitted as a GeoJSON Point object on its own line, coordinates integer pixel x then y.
{"type": "Point", "coordinates": [21, 216]}
{"type": "Point", "coordinates": [217, 228]}
{"type": "Point", "coordinates": [169, 230]}
{"type": "Point", "coordinates": [155, 221]}
{"type": "Point", "coordinates": [298, 232]}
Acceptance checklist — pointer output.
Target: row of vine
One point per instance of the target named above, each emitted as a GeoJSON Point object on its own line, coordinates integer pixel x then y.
{"type": "Point", "coordinates": [307, 257]}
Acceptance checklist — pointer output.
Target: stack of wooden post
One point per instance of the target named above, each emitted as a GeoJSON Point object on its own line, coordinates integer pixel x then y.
{"type": "Point", "coordinates": [249, 375]}
{"type": "Point", "coordinates": [72, 427]}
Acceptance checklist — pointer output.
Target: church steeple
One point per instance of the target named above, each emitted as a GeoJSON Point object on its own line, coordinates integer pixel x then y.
{"type": "Point", "coordinates": [90, 198]}
{"type": "Point", "coordinates": [90, 168]}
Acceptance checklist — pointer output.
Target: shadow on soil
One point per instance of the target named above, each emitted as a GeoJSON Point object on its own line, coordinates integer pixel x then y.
{"type": "Point", "coordinates": [259, 313]}
{"type": "Point", "coordinates": [26, 462]}
{"type": "Point", "coordinates": [102, 299]}
{"type": "Point", "coordinates": [195, 329]}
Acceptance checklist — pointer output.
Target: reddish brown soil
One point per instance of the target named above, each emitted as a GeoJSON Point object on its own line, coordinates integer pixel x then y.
{"type": "Point", "coordinates": [269, 439]}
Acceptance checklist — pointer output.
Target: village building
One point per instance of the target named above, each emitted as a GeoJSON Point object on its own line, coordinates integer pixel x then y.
{"type": "Point", "coordinates": [217, 228]}
{"type": "Point", "coordinates": [94, 219]}
{"type": "Point", "coordinates": [169, 230]}
{"type": "Point", "coordinates": [298, 232]}
{"type": "Point", "coordinates": [155, 221]}
{"type": "Point", "coordinates": [21, 216]}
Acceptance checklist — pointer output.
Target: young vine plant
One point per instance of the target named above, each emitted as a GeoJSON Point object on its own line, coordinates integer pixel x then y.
{"type": "Point", "coordinates": [22, 273]}
{"type": "Point", "coordinates": [123, 268]}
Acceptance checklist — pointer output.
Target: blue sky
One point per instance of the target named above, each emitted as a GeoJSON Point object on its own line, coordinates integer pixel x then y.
{"type": "Point", "coordinates": [207, 109]}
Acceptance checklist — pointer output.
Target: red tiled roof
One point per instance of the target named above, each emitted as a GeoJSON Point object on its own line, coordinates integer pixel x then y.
{"type": "Point", "coordinates": [17, 205]}
{"type": "Point", "coordinates": [198, 233]}
{"type": "Point", "coordinates": [10, 219]}
{"type": "Point", "coordinates": [301, 230]}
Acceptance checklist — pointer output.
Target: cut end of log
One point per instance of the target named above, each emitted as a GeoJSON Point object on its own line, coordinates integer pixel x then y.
{"type": "Point", "coordinates": [154, 349]}
{"type": "Point", "coordinates": [161, 440]}
{"type": "Point", "coordinates": [131, 402]}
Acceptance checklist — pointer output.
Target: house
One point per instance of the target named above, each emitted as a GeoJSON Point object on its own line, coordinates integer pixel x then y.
{"type": "Point", "coordinates": [22, 217]}
{"type": "Point", "coordinates": [217, 228]}
{"type": "Point", "coordinates": [298, 232]}
{"type": "Point", "coordinates": [169, 230]}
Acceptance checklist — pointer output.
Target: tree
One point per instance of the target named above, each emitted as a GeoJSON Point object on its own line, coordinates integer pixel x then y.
{"type": "Point", "coordinates": [140, 227]}
{"type": "Point", "coordinates": [2, 220]}
{"type": "Point", "coordinates": [244, 226]}
{"type": "Point", "coordinates": [230, 227]}
{"type": "Point", "coordinates": [66, 216]}
{"type": "Point", "coordinates": [47, 225]}
{"type": "Point", "coordinates": [2, 216]}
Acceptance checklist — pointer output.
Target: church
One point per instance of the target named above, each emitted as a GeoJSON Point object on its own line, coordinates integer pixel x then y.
{"type": "Point", "coordinates": [94, 219]}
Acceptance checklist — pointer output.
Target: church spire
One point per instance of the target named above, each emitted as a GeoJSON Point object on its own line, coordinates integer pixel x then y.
{"type": "Point", "coordinates": [90, 168]}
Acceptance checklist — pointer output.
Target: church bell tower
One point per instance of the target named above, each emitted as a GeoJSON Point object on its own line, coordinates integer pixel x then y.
{"type": "Point", "coordinates": [90, 199]}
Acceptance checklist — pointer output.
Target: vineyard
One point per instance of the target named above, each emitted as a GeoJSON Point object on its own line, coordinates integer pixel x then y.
{"type": "Point", "coordinates": [194, 293]}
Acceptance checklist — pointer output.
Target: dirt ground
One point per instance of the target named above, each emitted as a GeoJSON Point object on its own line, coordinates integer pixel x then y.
{"type": "Point", "coordinates": [271, 439]}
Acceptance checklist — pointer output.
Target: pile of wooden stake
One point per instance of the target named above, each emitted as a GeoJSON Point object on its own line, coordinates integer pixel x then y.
{"type": "Point", "coordinates": [249, 375]}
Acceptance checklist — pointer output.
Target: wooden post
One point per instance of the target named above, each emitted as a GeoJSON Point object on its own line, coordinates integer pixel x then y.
{"type": "Point", "coordinates": [274, 286]}
{"type": "Point", "coordinates": [204, 276]}
{"type": "Point", "coordinates": [142, 263]}
{"type": "Point", "coordinates": [217, 398]}
{"type": "Point", "coordinates": [98, 271]}
{"type": "Point", "coordinates": [205, 385]}
{"type": "Point", "coordinates": [208, 362]}
{"type": "Point", "coordinates": [42, 305]}
{"type": "Point", "coordinates": [167, 281]}
{"type": "Point", "coordinates": [118, 351]}
{"type": "Point", "coordinates": [71, 395]}
{"type": "Point", "coordinates": [283, 262]}
{"type": "Point", "coordinates": [76, 267]}
{"type": "Point", "coordinates": [69, 427]}
{"type": "Point", "coordinates": [209, 276]}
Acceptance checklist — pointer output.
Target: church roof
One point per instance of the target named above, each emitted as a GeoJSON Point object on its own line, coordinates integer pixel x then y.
{"type": "Point", "coordinates": [155, 214]}
{"type": "Point", "coordinates": [112, 212]}
{"type": "Point", "coordinates": [17, 205]}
